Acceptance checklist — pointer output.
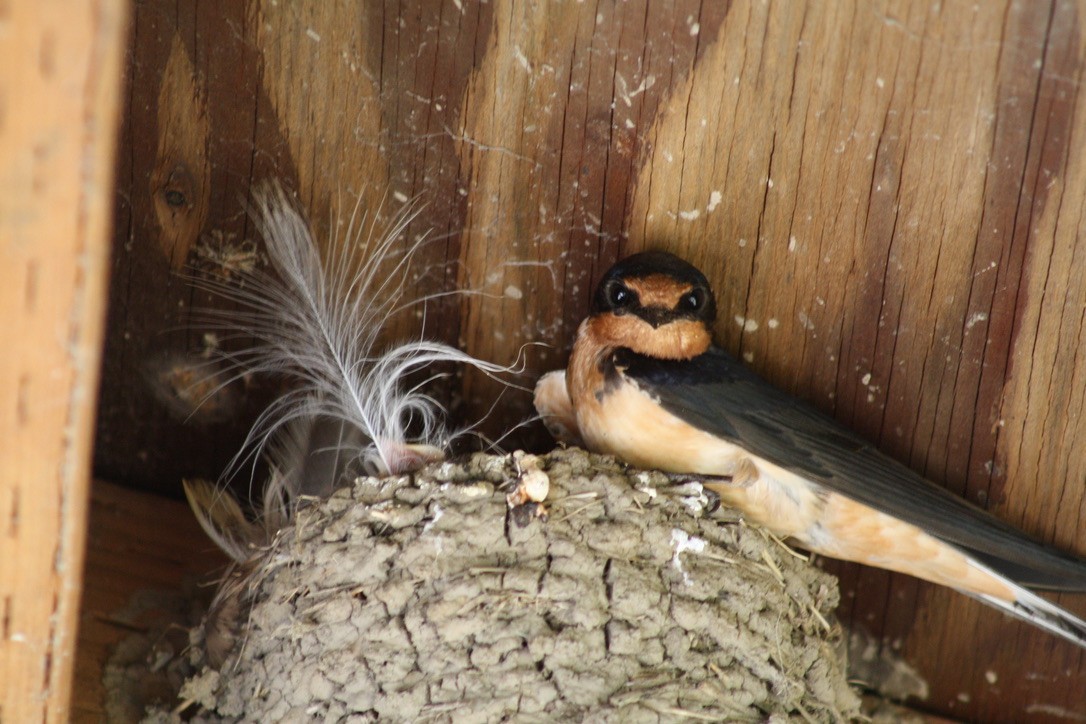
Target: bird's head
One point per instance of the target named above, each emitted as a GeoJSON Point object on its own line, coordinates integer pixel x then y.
{"type": "Point", "coordinates": [655, 304]}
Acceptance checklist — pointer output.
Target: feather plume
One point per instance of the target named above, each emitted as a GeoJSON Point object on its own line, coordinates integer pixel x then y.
{"type": "Point", "coordinates": [318, 321]}
{"type": "Point", "coordinates": [352, 408]}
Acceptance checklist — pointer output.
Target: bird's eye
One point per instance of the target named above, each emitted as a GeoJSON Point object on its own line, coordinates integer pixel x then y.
{"type": "Point", "coordinates": [693, 300]}
{"type": "Point", "coordinates": [619, 295]}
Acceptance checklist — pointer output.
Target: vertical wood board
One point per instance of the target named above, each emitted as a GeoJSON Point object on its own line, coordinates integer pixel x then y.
{"type": "Point", "coordinates": [59, 108]}
{"type": "Point", "coordinates": [887, 197]}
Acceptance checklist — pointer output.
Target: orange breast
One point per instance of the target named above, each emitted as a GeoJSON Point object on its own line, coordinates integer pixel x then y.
{"type": "Point", "coordinates": [622, 420]}
{"type": "Point", "coordinates": [618, 418]}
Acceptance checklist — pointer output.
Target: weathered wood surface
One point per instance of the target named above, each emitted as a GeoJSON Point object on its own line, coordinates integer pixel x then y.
{"type": "Point", "coordinates": [60, 82]}
{"type": "Point", "coordinates": [888, 197]}
{"type": "Point", "coordinates": [135, 542]}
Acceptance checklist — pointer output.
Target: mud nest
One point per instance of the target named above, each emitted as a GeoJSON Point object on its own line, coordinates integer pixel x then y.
{"type": "Point", "coordinates": [428, 598]}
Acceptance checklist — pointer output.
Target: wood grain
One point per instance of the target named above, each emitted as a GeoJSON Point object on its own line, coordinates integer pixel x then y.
{"type": "Point", "coordinates": [136, 541]}
{"type": "Point", "coordinates": [552, 123]}
{"type": "Point", "coordinates": [869, 255]}
{"type": "Point", "coordinates": [59, 110]}
{"type": "Point", "coordinates": [886, 195]}
{"type": "Point", "coordinates": [183, 178]}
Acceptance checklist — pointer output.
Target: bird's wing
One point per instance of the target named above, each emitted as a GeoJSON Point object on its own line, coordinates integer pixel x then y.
{"type": "Point", "coordinates": [717, 394]}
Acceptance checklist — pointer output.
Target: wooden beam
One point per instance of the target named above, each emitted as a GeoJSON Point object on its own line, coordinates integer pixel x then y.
{"type": "Point", "coordinates": [886, 195]}
{"type": "Point", "coordinates": [59, 108]}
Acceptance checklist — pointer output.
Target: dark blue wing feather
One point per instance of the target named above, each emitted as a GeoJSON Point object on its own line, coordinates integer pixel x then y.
{"type": "Point", "coordinates": [717, 394]}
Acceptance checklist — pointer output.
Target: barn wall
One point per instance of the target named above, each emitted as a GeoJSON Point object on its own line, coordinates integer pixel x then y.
{"type": "Point", "coordinates": [887, 196]}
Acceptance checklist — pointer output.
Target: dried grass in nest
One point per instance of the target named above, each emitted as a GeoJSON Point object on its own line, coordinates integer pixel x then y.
{"type": "Point", "coordinates": [424, 598]}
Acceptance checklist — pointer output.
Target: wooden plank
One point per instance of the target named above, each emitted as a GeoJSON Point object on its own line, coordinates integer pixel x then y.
{"type": "Point", "coordinates": [59, 109]}
{"type": "Point", "coordinates": [136, 541]}
{"type": "Point", "coordinates": [884, 178]}
{"type": "Point", "coordinates": [194, 111]}
{"type": "Point", "coordinates": [553, 121]}
{"type": "Point", "coordinates": [884, 194]}
{"type": "Point", "coordinates": [384, 101]}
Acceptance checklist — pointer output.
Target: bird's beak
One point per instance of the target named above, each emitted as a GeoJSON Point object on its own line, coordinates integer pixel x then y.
{"type": "Point", "coordinates": [656, 316]}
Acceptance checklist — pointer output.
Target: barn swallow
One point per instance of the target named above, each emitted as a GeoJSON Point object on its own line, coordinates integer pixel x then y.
{"type": "Point", "coordinates": [646, 383]}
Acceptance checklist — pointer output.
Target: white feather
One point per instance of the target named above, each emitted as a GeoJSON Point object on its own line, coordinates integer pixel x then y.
{"type": "Point", "coordinates": [319, 323]}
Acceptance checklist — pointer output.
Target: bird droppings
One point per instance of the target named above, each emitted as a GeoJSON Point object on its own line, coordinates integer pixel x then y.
{"type": "Point", "coordinates": [621, 605]}
{"type": "Point", "coordinates": [682, 542]}
{"type": "Point", "coordinates": [714, 200]}
{"type": "Point", "coordinates": [975, 319]}
{"type": "Point", "coordinates": [1056, 712]}
{"type": "Point", "coordinates": [748, 325]}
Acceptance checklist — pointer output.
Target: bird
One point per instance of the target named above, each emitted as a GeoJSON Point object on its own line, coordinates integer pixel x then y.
{"type": "Point", "coordinates": [645, 382]}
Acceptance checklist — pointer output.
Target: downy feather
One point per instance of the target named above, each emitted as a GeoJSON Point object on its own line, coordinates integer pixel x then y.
{"type": "Point", "coordinates": [318, 321]}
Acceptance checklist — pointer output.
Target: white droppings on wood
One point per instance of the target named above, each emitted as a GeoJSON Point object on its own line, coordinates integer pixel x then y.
{"type": "Point", "coordinates": [714, 200]}
{"type": "Point", "coordinates": [748, 325]}
{"type": "Point", "coordinates": [522, 59]}
{"type": "Point", "coordinates": [625, 94]}
{"type": "Point", "coordinates": [975, 319]}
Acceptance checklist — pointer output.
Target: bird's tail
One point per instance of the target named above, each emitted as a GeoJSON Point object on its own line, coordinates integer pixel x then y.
{"type": "Point", "coordinates": [1030, 607]}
